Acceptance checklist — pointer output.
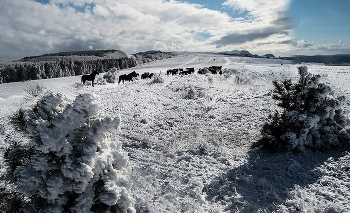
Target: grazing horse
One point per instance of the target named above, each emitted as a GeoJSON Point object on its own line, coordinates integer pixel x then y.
{"type": "Point", "coordinates": [190, 70]}
{"type": "Point", "coordinates": [147, 75]}
{"type": "Point", "coordinates": [90, 77]}
{"type": "Point", "coordinates": [174, 71]}
{"type": "Point", "coordinates": [215, 69]}
{"type": "Point", "coordinates": [128, 77]}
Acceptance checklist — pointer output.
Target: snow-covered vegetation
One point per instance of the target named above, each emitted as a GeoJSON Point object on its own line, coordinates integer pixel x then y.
{"type": "Point", "coordinates": [71, 163]}
{"type": "Point", "coordinates": [111, 75]}
{"type": "Point", "coordinates": [152, 55]}
{"type": "Point", "coordinates": [191, 140]}
{"type": "Point", "coordinates": [312, 117]}
{"type": "Point", "coordinates": [64, 64]}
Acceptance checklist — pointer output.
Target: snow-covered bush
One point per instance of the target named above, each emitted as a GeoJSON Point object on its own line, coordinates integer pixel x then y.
{"type": "Point", "coordinates": [312, 117]}
{"type": "Point", "coordinates": [157, 79]}
{"type": "Point", "coordinates": [241, 79]}
{"type": "Point", "coordinates": [32, 92]}
{"type": "Point", "coordinates": [110, 76]}
{"type": "Point", "coordinates": [72, 162]}
{"type": "Point", "coordinates": [78, 85]}
{"type": "Point", "coordinates": [193, 92]}
{"type": "Point", "coordinates": [100, 81]}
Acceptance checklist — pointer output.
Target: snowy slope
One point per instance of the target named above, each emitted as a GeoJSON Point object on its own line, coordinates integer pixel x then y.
{"type": "Point", "coordinates": [189, 138]}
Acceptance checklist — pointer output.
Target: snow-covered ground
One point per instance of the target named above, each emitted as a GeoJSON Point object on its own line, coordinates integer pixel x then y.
{"type": "Point", "coordinates": [189, 138]}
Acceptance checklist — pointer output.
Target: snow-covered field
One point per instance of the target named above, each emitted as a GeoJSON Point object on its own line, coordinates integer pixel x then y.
{"type": "Point", "coordinates": [189, 138]}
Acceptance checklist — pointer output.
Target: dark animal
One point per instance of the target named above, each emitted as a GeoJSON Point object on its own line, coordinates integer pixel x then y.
{"type": "Point", "coordinates": [187, 72]}
{"type": "Point", "coordinates": [191, 70]}
{"type": "Point", "coordinates": [212, 70]}
{"type": "Point", "coordinates": [174, 71]}
{"type": "Point", "coordinates": [215, 69]}
{"type": "Point", "coordinates": [128, 77]}
{"type": "Point", "coordinates": [90, 77]}
{"type": "Point", "coordinates": [147, 75]}
{"type": "Point", "coordinates": [144, 75]}
{"type": "Point", "coordinates": [201, 71]}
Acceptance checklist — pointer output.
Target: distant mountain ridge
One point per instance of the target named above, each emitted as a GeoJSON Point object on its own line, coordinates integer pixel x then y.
{"type": "Point", "coordinates": [338, 59]}
{"type": "Point", "coordinates": [237, 52]}
{"type": "Point", "coordinates": [245, 53]}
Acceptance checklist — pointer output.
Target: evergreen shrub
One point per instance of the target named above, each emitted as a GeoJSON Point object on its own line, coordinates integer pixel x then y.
{"type": "Point", "coordinates": [73, 163]}
{"type": "Point", "coordinates": [311, 116]}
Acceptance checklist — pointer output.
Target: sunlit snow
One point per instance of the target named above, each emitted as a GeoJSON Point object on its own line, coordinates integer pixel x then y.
{"type": "Point", "coordinates": [189, 138]}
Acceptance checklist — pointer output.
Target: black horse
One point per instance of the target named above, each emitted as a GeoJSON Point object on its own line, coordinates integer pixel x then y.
{"type": "Point", "coordinates": [147, 75]}
{"type": "Point", "coordinates": [90, 77]}
{"type": "Point", "coordinates": [128, 77]}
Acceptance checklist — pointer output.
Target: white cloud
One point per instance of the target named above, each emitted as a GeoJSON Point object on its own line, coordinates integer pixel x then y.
{"type": "Point", "coordinates": [31, 28]}
{"type": "Point", "coordinates": [264, 20]}
{"type": "Point", "coordinates": [101, 11]}
{"type": "Point", "coordinates": [261, 10]}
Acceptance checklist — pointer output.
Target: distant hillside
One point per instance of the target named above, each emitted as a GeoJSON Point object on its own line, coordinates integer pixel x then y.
{"type": "Point", "coordinates": [88, 55]}
{"type": "Point", "coordinates": [62, 64]}
{"type": "Point", "coordinates": [340, 59]}
{"type": "Point", "coordinates": [269, 55]}
{"type": "Point", "coordinates": [152, 55]}
{"type": "Point", "coordinates": [245, 53]}
{"type": "Point", "coordinates": [237, 52]}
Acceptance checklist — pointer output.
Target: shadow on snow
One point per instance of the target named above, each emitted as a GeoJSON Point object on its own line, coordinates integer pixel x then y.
{"type": "Point", "coordinates": [265, 181]}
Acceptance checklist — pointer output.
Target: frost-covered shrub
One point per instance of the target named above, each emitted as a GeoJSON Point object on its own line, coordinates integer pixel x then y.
{"type": "Point", "coordinates": [100, 81]}
{"type": "Point", "coordinates": [78, 85]}
{"type": "Point", "coordinates": [193, 92]}
{"type": "Point", "coordinates": [210, 80]}
{"type": "Point", "coordinates": [312, 117]}
{"type": "Point", "coordinates": [110, 76]}
{"type": "Point", "coordinates": [72, 162]}
{"type": "Point", "coordinates": [32, 92]}
{"type": "Point", "coordinates": [241, 79]}
{"type": "Point", "coordinates": [157, 79]}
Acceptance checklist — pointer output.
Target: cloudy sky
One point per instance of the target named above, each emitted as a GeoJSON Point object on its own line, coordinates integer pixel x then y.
{"type": "Point", "coordinates": [281, 27]}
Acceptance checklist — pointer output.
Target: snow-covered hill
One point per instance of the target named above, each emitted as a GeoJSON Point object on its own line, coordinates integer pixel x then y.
{"type": "Point", "coordinates": [189, 138]}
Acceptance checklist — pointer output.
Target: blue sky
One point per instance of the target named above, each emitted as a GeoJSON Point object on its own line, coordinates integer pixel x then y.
{"type": "Point", "coordinates": [321, 20]}
{"type": "Point", "coordinates": [280, 27]}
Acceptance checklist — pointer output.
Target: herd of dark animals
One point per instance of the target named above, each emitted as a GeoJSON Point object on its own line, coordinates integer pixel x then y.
{"type": "Point", "coordinates": [212, 69]}
{"type": "Point", "coordinates": [129, 77]}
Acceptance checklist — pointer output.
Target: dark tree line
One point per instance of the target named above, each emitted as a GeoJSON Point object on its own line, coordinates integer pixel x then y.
{"type": "Point", "coordinates": [24, 71]}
